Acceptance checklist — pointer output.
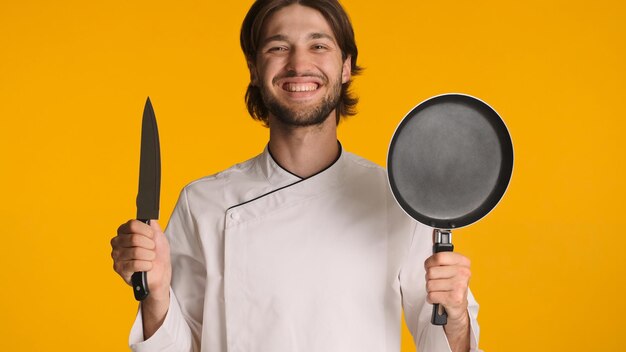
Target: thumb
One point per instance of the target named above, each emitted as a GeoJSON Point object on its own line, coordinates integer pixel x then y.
{"type": "Point", "coordinates": [154, 224]}
{"type": "Point", "coordinates": [159, 237]}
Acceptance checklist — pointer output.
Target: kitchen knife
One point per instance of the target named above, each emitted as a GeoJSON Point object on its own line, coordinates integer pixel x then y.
{"type": "Point", "coordinates": [149, 186]}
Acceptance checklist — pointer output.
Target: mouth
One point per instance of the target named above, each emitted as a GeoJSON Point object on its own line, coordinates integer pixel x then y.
{"type": "Point", "coordinates": [300, 86]}
{"type": "Point", "coordinates": [304, 86]}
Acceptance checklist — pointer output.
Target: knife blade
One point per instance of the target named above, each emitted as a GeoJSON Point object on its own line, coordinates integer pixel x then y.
{"type": "Point", "coordinates": [149, 191]}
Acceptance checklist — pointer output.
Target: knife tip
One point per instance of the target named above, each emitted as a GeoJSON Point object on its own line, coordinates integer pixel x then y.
{"type": "Point", "coordinates": [148, 103]}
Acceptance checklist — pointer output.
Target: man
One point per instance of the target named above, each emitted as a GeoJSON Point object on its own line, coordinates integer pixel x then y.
{"type": "Point", "coordinates": [301, 248]}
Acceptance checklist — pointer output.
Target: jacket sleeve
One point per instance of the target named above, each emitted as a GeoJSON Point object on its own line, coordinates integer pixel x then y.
{"type": "Point", "coordinates": [417, 312]}
{"type": "Point", "coordinates": [181, 329]}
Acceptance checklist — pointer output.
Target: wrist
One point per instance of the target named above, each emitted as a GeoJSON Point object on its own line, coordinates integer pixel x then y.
{"type": "Point", "coordinates": [158, 295]}
{"type": "Point", "coordinates": [153, 311]}
{"type": "Point", "coordinates": [458, 326]}
{"type": "Point", "coordinates": [156, 304]}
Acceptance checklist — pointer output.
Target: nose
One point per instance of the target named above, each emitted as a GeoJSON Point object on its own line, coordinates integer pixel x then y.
{"type": "Point", "coordinates": [299, 61]}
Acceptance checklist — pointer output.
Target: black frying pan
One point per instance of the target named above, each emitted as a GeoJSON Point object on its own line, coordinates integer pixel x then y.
{"type": "Point", "coordinates": [449, 163]}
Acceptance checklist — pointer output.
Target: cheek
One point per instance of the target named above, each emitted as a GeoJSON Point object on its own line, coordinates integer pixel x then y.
{"type": "Point", "coordinates": [268, 69]}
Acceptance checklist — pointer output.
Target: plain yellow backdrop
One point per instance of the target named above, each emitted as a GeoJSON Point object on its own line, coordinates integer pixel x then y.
{"type": "Point", "coordinates": [547, 264]}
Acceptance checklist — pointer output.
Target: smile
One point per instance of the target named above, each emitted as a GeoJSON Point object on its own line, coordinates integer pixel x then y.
{"type": "Point", "coordinates": [300, 87]}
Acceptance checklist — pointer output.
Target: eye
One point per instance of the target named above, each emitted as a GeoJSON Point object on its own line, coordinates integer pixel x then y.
{"type": "Point", "coordinates": [277, 49]}
{"type": "Point", "coordinates": [319, 47]}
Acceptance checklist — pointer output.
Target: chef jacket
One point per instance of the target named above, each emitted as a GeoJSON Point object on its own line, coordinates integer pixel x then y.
{"type": "Point", "coordinates": [266, 261]}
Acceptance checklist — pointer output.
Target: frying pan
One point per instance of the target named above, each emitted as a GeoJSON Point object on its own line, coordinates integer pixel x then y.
{"type": "Point", "coordinates": [449, 163]}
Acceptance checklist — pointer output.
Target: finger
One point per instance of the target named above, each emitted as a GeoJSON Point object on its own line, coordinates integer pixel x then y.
{"type": "Point", "coordinates": [434, 297]}
{"type": "Point", "coordinates": [448, 272]}
{"type": "Point", "coordinates": [135, 226]}
{"type": "Point", "coordinates": [446, 285]}
{"type": "Point", "coordinates": [132, 240]}
{"type": "Point", "coordinates": [449, 299]}
{"type": "Point", "coordinates": [126, 268]}
{"type": "Point", "coordinates": [446, 258]}
{"type": "Point", "coordinates": [135, 253]}
{"type": "Point", "coordinates": [439, 286]}
{"type": "Point", "coordinates": [441, 272]}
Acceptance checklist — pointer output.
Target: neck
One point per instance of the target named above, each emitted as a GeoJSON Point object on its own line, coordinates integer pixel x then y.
{"type": "Point", "coordinates": [304, 151]}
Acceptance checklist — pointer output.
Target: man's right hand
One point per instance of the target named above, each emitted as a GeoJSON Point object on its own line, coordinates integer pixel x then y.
{"type": "Point", "coordinates": [141, 247]}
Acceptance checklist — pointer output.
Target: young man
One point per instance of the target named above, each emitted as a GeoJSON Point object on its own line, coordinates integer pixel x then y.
{"type": "Point", "coordinates": [301, 248]}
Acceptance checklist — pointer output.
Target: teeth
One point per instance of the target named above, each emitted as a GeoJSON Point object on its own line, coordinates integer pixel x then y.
{"type": "Point", "coordinates": [300, 87]}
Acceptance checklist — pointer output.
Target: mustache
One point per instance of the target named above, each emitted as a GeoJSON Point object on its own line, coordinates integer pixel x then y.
{"type": "Point", "coordinates": [292, 74]}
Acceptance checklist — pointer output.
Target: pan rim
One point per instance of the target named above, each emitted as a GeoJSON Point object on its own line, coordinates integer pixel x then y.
{"type": "Point", "coordinates": [391, 143]}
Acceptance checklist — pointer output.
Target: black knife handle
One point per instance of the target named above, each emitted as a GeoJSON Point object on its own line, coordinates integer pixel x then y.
{"type": "Point", "coordinates": [140, 279]}
{"type": "Point", "coordinates": [440, 316]}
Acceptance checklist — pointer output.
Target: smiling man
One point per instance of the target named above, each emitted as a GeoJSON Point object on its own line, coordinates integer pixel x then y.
{"type": "Point", "coordinates": [301, 248]}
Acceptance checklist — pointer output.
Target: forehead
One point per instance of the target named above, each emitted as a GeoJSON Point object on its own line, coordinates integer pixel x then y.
{"type": "Point", "coordinates": [295, 21]}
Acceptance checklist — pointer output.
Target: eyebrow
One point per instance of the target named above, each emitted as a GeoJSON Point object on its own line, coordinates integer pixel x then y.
{"type": "Point", "coordinates": [284, 38]}
{"type": "Point", "coordinates": [321, 36]}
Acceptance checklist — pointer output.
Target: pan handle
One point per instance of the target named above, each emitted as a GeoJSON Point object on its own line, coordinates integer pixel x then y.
{"type": "Point", "coordinates": [442, 242]}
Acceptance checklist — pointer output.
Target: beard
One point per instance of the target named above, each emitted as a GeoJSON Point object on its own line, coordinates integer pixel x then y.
{"type": "Point", "coordinates": [304, 116]}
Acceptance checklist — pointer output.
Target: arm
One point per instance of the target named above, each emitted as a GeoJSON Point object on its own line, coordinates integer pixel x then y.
{"type": "Point", "coordinates": [418, 310]}
{"type": "Point", "coordinates": [447, 280]}
{"type": "Point", "coordinates": [142, 247]}
{"type": "Point", "coordinates": [162, 324]}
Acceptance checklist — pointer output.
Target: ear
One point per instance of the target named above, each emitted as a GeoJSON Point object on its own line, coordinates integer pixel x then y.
{"type": "Point", "coordinates": [346, 72]}
{"type": "Point", "coordinates": [254, 80]}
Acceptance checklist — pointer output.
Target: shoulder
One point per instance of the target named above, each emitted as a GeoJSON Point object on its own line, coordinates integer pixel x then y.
{"type": "Point", "coordinates": [367, 175]}
{"type": "Point", "coordinates": [221, 178]}
{"type": "Point", "coordinates": [366, 171]}
{"type": "Point", "coordinates": [359, 164]}
{"type": "Point", "coordinates": [217, 188]}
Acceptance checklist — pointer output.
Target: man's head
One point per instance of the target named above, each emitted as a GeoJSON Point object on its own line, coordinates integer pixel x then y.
{"type": "Point", "coordinates": [301, 55]}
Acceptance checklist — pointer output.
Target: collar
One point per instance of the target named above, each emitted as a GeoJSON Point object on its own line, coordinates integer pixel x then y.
{"type": "Point", "coordinates": [279, 176]}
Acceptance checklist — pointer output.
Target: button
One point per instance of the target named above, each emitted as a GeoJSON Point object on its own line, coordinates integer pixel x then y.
{"type": "Point", "coordinates": [234, 216]}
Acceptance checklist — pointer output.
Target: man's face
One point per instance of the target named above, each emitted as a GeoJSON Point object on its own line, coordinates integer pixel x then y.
{"type": "Point", "coordinates": [298, 68]}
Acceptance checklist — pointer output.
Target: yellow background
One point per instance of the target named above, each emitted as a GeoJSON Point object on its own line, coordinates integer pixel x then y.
{"type": "Point", "coordinates": [547, 263]}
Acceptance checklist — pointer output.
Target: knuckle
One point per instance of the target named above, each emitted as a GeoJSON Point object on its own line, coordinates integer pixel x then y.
{"type": "Point", "coordinates": [429, 286]}
{"type": "Point", "coordinates": [458, 298]}
{"type": "Point", "coordinates": [124, 227]}
{"type": "Point", "coordinates": [141, 265]}
{"type": "Point", "coordinates": [464, 273]}
{"type": "Point", "coordinates": [429, 274]}
{"type": "Point", "coordinates": [135, 240]}
{"type": "Point", "coordinates": [133, 226]}
{"type": "Point", "coordinates": [433, 298]}
{"type": "Point", "coordinates": [460, 286]}
{"type": "Point", "coordinates": [436, 259]}
{"type": "Point", "coordinates": [468, 273]}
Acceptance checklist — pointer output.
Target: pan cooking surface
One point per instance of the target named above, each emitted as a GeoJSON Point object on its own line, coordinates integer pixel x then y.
{"type": "Point", "coordinates": [450, 161]}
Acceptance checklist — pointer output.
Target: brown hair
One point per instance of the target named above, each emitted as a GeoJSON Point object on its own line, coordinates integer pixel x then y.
{"type": "Point", "coordinates": [340, 24]}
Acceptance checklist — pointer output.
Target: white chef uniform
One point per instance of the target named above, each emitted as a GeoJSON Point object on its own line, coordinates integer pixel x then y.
{"type": "Point", "coordinates": [264, 261]}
